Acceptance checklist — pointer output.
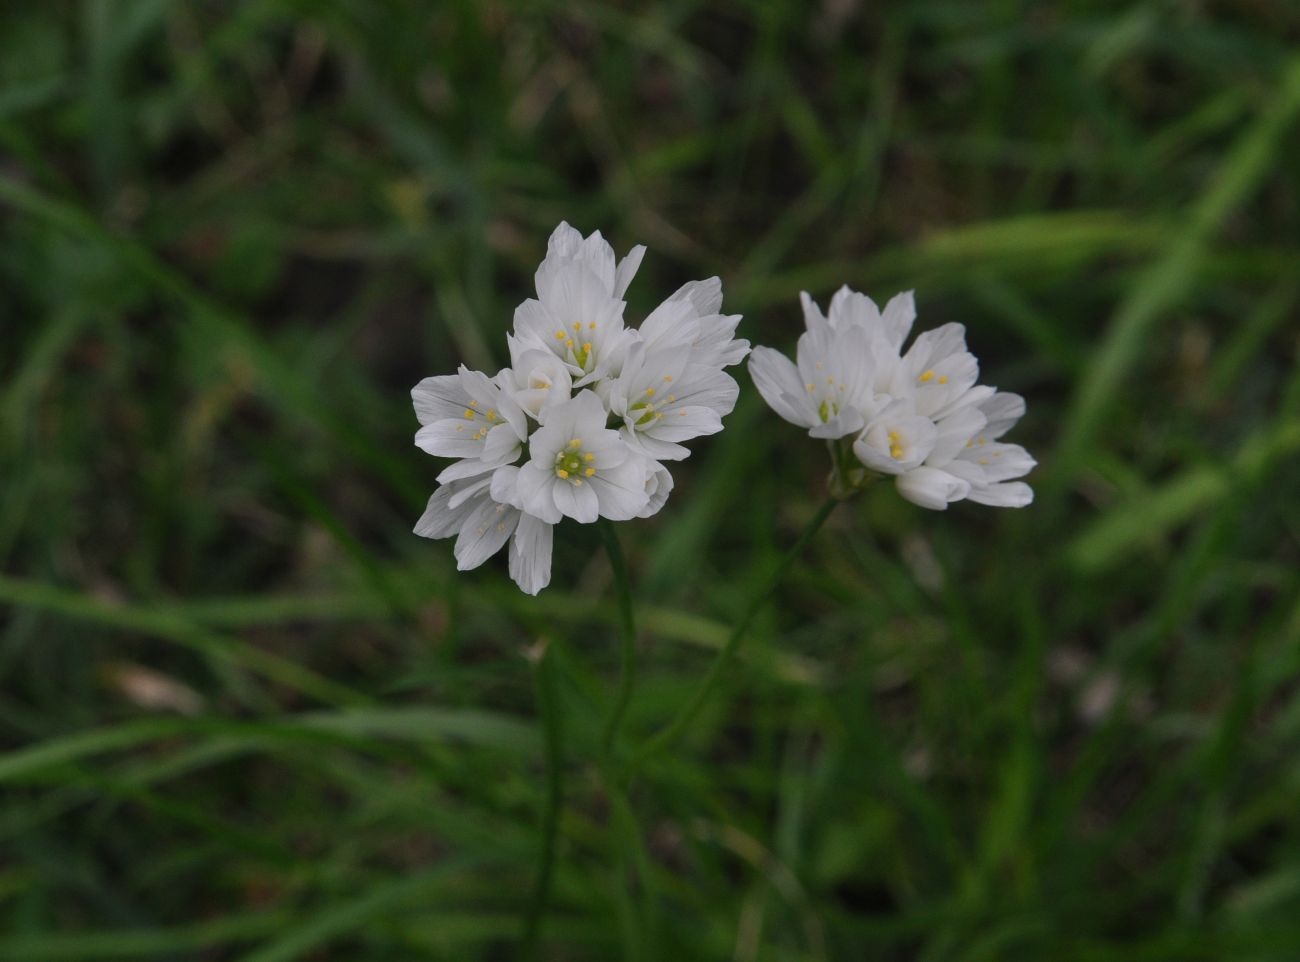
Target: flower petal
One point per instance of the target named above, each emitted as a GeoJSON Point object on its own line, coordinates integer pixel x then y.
{"type": "Point", "coordinates": [931, 488]}
{"type": "Point", "coordinates": [1008, 494]}
{"type": "Point", "coordinates": [530, 554]}
{"type": "Point", "coordinates": [621, 491]}
{"type": "Point", "coordinates": [777, 379]}
{"type": "Point", "coordinates": [437, 398]}
{"type": "Point", "coordinates": [576, 501]}
{"type": "Point", "coordinates": [483, 533]}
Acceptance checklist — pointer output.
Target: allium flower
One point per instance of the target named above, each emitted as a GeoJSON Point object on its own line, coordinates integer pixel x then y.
{"type": "Point", "coordinates": [578, 425]}
{"type": "Point", "coordinates": [916, 415]}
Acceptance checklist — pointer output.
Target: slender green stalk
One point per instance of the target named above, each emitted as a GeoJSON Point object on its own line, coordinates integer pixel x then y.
{"type": "Point", "coordinates": [635, 899]}
{"type": "Point", "coordinates": [627, 636]}
{"type": "Point", "coordinates": [548, 703]}
{"type": "Point", "coordinates": [673, 730]}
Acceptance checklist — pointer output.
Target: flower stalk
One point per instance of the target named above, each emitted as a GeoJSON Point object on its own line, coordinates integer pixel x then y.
{"type": "Point", "coordinates": [548, 704]}
{"type": "Point", "coordinates": [626, 635]}
{"type": "Point", "coordinates": [673, 730]}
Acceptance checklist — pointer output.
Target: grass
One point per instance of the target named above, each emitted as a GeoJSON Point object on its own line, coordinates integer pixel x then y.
{"type": "Point", "coordinates": [246, 715]}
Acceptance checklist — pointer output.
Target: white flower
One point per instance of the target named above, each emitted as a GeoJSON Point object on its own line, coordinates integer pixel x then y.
{"type": "Point", "coordinates": [578, 312]}
{"type": "Point", "coordinates": [663, 399]}
{"type": "Point", "coordinates": [658, 485]}
{"type": "Point", "coordinates": [467, 415]}
{"type": "Point", "coordinates": [580, 469]}
{"type": "Point", "coordinates": [919, 416]}
{"type": "Point", "coordinates": [831, 387]}
{"type": "Point", "coordinates": [691, 318]}
{"type": "Point", "coordinates": [538, 379]}
{"type": "Point", "coordinates": [593, 404]}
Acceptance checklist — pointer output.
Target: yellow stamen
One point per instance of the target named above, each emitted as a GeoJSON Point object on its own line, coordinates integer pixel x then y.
{"type": "Point", "coordinates": [562, 473]}
{"type": "Point", "coordinates": [492, 412]}
{"type": "Point", "coordinates": [668, 378]}
{"type": "Point", "coordinates": [650, 392]}
{"type": "Point", "coordinates": [927, 376]}
{"type": "Point", "coordinates": [469, 415]}
{"type": "Point", "coordinates": [589, 457]}
{"type": "Point", "coordinates": [943, 378]}
{"type": "Point", "coordinates": [896, 452]}
{"type": "Point", "coordinates": [589, 472]}
{"type": "Point", "coordinates": [577, 326]}
{"type": "Point", "coordinates": [560, 335]}
{"type": "Point", "coordinates": [672, 397]}
{"type": "Point", "coordinates": [576, 443]}
{"type": "Point", "coordinates": [591, 326]}
{"type": "Point", "coordinates": [577, 482]}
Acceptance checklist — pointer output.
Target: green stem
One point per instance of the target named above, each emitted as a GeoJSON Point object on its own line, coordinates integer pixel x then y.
{"type": "Point", "coordinates": [627, 636]}
{"type": "Point", "coordinates": [548, 704]}
{"type": "Point", "coordinates": [686, 715]}
{"type": "Point", "coordinates": [633, 881]}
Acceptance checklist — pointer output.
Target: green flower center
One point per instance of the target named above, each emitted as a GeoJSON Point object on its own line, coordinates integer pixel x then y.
{"type": "Point", "coordinates": [573, 464]}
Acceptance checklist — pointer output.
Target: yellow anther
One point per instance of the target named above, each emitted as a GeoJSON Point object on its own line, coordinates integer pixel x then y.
{"type": "Point", "coordinates": [927, 376]}
{"type": "Point", "coordinates": [672, 397]}
{"type": "Point", "coordinates": [810, 386]}
{"type": "Point", "coordinates": [668, 378]}
{"type": "Point", "coordinates": [569, 344]}
{"type": "Point", "coordinates": [577, 482]}
{"type": "Point", "coordinates": [984, 460]}
{"type": "Point", "coordinates": [896, 452]}
{"type": "Point", "coordinates": [680, 414]}
{"type": "Point", "coordinates": [562, 473]}
{"type": "Point", "coordinates": [460, 427]}
{"type": "Point", "coordinates": [560, 335]}
{"type": "Point", "coordinates": [830, 380]}
{"type": "Point", "coordinates": [576, 443]}
{"type": "Point", "coordinates": [577, 326]}
{"type": "Point", "coordinates": [591, 326]}
{"type": "Point", "coordinates": [501, 526]}
{"type": "Point", "coordinates": [469, 415]}
{"type": "Point", "coordinates": [970, 444]}
{"type": "Point", "coordinates": [586, 348]}
{"type": "Point", "coordinates": [589, 472]}
{"type": "Point", "coordinates": [589, 457]}
{"type": "Point", "coordinates": [893, 436]}
{"type": "Point", "coordinates": [492, 412]}
{"type": "Point", "coordinates": [650, 392]}
{"type": "Point", "coordinates": [943, 378]}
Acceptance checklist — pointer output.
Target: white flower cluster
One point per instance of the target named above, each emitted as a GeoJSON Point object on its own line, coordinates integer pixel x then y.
{"type": "Point", "coordinates": [917, 415]}
{"type": "Point", "coordinates": [580, 422]}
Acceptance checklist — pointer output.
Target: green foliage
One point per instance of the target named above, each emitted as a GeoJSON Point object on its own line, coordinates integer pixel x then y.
{"type": "Point", "coordinates": [246, 715]}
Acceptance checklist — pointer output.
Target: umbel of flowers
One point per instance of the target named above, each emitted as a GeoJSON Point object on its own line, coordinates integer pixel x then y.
{"type": "Point", "coordinates": [581, 423]}
{"type": "Point", "coordinates": [917, 415]}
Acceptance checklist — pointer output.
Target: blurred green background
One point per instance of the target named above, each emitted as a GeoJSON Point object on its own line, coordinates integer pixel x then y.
{"type": "Point", "coordinates": [246, 715]}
